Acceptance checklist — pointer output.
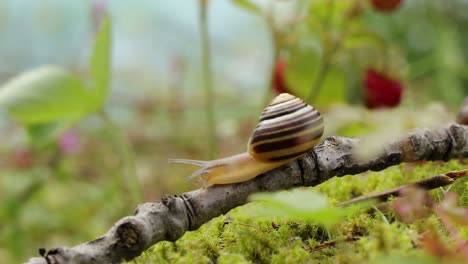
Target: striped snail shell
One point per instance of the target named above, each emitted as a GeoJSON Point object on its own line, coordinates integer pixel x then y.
{"type": "Point", "coordinates": [287, 129]}
{"type": "Point", "coordinates": [462, 117]}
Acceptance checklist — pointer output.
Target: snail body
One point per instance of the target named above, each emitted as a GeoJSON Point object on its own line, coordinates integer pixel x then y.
{"type": "Point", "coordinates": [287, 129]}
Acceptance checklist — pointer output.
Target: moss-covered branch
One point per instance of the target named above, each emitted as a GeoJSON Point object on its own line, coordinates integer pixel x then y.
{"type": "Point", "coordinates": [174, 215]}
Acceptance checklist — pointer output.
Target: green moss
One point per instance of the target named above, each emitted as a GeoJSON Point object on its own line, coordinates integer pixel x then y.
{"type": "Point", "coordinates": [464, 232]}
{"type": "Point", "coordinates": [232, 259]}
{"type": "Point", "coordinates": [291, 255]}
{"type": "Point", "coordinates": [240, 238]}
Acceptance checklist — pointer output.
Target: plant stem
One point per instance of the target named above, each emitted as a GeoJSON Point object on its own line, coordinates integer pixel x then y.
{"type": "Point", "coordinates": [276, 50]}
{"type": "Point", "coordinates": [324, 63]}
{"type": "Point", "coordinates": [207, 78]}
{"type": "Point", "coordinates": [267, 95]}
{"type": "Point", "coordinates": [319, 77]}
{"type": "Point", "coordinates": [127, 158]}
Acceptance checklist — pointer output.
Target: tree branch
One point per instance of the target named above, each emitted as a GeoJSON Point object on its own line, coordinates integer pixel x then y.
{"type": "Point", "coordinates": [175, 215]}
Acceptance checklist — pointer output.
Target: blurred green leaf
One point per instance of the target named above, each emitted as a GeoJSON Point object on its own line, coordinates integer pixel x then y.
{"type": "Point", "coordinates": [406, 260]}
{"type": "Point", "coordinates": [45, 94]}
{"type": "Point", "coordinates": [301, 204]}
{"type": "Point", "coordinates": [100, 65]}
{"type": "Point", "coordinates": [43, 134]}
{"type": "Point", "coordinates": [246, 4]}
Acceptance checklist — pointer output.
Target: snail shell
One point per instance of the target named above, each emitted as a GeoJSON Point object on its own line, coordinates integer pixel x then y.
{"type": "Point", "coordinates": [288, 128]}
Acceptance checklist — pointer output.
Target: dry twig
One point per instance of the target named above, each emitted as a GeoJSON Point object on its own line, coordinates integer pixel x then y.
{"type": "Point", "coordinates": [426, 184]}
{"type": "Point", "coordinates": [332, 243]}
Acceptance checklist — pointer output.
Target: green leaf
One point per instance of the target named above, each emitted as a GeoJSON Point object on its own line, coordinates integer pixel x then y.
{"type": "Point", "coordinates": [44, 134]}
{"type": "Point", "coordinates": [401, 259]}
{"type": "Point", "coordinates": [301, 204]}
{"type": "Point", "coordinates": [246, 4]}
{"type": "Point", "coordinates": [45, 94]}
{"type": "Point", "coordinates": [100, 65]}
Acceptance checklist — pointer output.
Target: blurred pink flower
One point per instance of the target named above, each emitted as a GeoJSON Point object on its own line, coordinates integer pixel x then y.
{"type": "Point", "coordinates": [69, 142]}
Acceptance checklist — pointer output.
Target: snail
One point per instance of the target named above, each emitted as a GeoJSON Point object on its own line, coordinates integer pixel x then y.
{"type": "Point", "coordinates": [288, 127]}
{"type": "Point", "coordinates": [462, 117]}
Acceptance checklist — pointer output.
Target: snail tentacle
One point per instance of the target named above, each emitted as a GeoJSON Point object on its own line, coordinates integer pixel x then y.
{"type": "Point", "coordinates": [200, 163]}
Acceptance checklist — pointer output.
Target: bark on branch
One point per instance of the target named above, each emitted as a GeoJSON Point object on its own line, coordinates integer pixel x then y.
{"type": "Point", "coordinates": [174, 215]}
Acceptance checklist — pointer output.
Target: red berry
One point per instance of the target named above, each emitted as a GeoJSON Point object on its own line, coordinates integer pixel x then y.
{"type": "Point", "coordinates": [381, 90]}
{"type": "Point", "coordinates": [385, 5]}
{"type": "Point", "coordinates": [279, 83]}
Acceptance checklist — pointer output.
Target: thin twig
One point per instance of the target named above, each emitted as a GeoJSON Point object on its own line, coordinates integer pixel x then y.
{"type": "Point", "coordinates": [427, 184]}
{"type": "Point", "coordinates": [332, 243]}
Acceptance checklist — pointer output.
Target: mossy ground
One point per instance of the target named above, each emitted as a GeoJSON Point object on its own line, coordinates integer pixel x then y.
{"type": "Point", "coordinates": [240, 238]}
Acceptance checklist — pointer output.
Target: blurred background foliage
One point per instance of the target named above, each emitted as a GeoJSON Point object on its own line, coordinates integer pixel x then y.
{"type": "Point", "coordinates": [70, 189]}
